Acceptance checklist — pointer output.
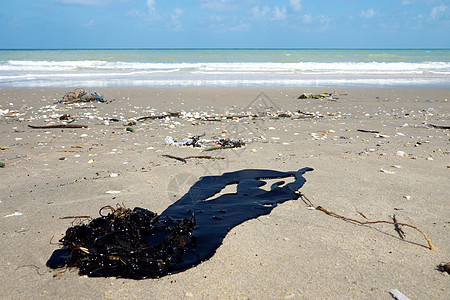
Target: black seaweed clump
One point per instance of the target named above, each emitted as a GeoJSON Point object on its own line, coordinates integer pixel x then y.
{"type": "Point", "coordinates": [231, 143]}
{"type": "Point", "coordinates": [140, 244]}
{"type": "Point", "coordinates": [125, 243]}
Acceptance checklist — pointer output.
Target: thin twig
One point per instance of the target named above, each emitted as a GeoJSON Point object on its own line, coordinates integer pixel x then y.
{"type": "Point", "coordinates": [220, 147]}
{"type": "Point", "coordinates": [58, 126]}
{"type": "Point", "coordinates": [398, 228]}
{"type": "Point", "coordinates": [175, 157]}
{"type": "Point", "coordinates": [430, 244]}
{"type": "Point", "coordinates": [368, 131]}
{"type": "Point", "coordinates": [184, 159]}
{"type": "Point", "coordinates": [75, 217]}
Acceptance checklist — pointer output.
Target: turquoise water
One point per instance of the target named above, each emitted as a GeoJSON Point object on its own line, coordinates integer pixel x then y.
{"type": "Point", "coordinates": [225, 67]}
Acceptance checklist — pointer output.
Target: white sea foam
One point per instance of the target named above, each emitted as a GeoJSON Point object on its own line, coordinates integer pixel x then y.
{"type": "Point", "coordinates": [442, 68]}
{"type": "Point", "coordinates": [232, 68]}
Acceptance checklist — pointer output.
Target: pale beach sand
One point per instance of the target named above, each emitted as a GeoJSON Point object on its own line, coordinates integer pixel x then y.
{"type": "Point", "coordinates": [294, 252]}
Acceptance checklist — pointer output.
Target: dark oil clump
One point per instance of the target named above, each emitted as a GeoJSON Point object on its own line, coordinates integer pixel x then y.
{"type": "Point", "coordinates": [140, 244]}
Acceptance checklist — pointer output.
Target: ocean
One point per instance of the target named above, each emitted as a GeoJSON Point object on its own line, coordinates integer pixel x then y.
{"type": "Point", "coordinates": [226, 68]}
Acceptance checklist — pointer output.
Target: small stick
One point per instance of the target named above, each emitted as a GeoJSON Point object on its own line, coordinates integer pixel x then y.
{"type": "Point", "coordinates": [369, 131]}
{"type": "Point", "coordinates": [220, 147]}
{"type": "Point", "coordinates": [430, 244]}
{"type": "Point", "coordinates": [175, 157]}
{"type": "Point", "coordinates": [184, 159]}
{"type": "Point", "coordinates": [204, 156]}
{"type": "Point", "coordinates": [437, 126]}
{"type": "Point", "coordinates": [58, 126]}
{"type": "Point", "coordinates": [75, 217]}
{"type": "Point", "coordinates": [364, 216]}
{"type": "Point", "coordinates": [398, 228]}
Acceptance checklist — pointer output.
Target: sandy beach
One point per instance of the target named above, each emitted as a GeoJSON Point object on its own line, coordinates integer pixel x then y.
{"type": "Point", "coordinates": [375, 153]}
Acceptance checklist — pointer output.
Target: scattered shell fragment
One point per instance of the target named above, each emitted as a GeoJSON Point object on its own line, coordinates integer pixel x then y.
{"type": "Point", "coordinates": [407, 197]}
{"type": "Point", "coordinates": [113, 175]}
{"type": "Point", "coordinates": [113, 192]}
{"type": "Point", "coordinates": [14, 214]}
{"type": "Point", "coordinates": [386, 171]}
{"type": "Point", "coordinates": [91, 161]}
{"type": "Point", "coordinates": [401, 153]}
{"type": "Point", "coordinates": [398, 295]}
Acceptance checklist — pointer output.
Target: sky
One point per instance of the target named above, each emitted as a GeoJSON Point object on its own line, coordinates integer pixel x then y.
{"type": "Point", "coordinates": [61, 24]}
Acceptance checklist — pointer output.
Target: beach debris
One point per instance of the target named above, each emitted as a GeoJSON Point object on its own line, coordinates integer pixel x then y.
{"type": "Point", "coordinates": [58, 126]}
{"type": "Point", "coordinates": [386, 171]}
{"type": "Point", "coordinates": [401, 153]}
{"type": "Point", "coordinates": [435, 126]}
{"type": "Point", "coordinates": [170, 114]}
{"type": "Point", "coordinates": [444, 267]}
{"type": "Point", "coordinates": [14, 214]}
{"type": "Point", "coordinates": [194, 141]}
{"type": "Point", "coordinates": [137, 243]}
{"type": "Point", "coordinates": [368, 131]}
{"type": "Point", "coordinates": [184, 159]}
{"type": "Point", "coordinates": [129, 129]}
{"type": "Point", "coordinates": [203, 116]}
{"type": "Point", "coordinates": [328, 96]}
{"type": "Point", "coordinates": [113, 192]}
{"type": "Point", "coordinates": [396, 294]}
{"type": "Point", "coordinates": [197, 141]}
{"type": "Point", "coordinates": [2, 165]}
{"type": "Point", "coordinates": [227, 144]}
{"type": "Point", "coordinates": [398, 227]}
{"type": "Point", "coordinates": [328, 212]}
{"type": "Point", "coordinates": [81, 95]}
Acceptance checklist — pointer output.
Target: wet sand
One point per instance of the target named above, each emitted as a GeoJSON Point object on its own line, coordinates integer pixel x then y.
{"type": "Point", "coordinates": [294, 252]}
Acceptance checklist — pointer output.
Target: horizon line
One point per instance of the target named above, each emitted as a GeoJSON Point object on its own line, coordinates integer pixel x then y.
{"type": "Point", "coordinates": [209, 48]}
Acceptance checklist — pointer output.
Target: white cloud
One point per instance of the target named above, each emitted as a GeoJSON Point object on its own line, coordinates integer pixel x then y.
{"type": "Point", "coordinates": [368, 13]}
{"type": "Point", "coordinates": [279, 13]}
{"type": "Point", "coordinates": [260, 12]}
{"type": "Point", "coordinates": [324, 22]}
{"type": "Point", "coordinates": [307, 18]}
{"type": "Point", "coordinates": [148, 16]}
{"type": "Point", "coordinates": [176, 14]}
{"type": "Point", "coordinates": [296, 4]}
{"type": "Point", "coordinates": [276, 13]}
{"type": "Point", "coordinates": [89, 24]}
{"type": "Point", "coordinates": [218, 5]}
{"type": "Point", "coordinates": [437, 11]}
{"type": "Point", "coordinates": [151, 6]}
{"type": "Point", "coordinates": [240, 27]}
{"type": "Point", "coordinates": [85, 2]}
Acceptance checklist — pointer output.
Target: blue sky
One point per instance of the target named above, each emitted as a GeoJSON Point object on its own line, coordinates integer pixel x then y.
{"type": "Point", "coordinates": [224, 23]}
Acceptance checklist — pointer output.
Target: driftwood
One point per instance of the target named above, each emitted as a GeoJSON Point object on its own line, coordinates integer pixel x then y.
{"type": "Point", "coordinates": [184, 159]}
{"type": "Point", "coordinates": [430, 244]}
{"type": "Point", "coordinates": [58, 126]}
